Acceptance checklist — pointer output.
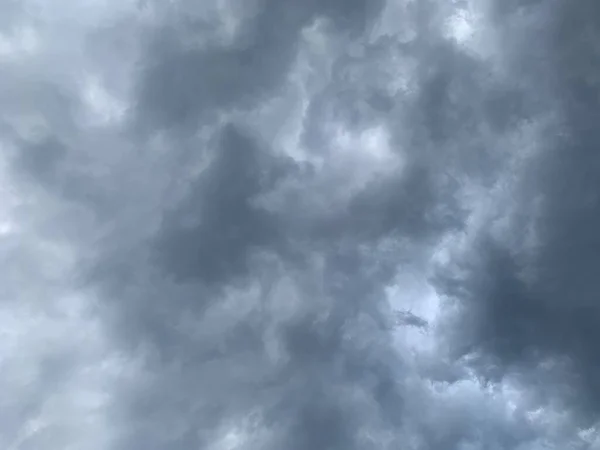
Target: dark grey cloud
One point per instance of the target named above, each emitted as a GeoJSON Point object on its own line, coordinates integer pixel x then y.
{"type": "Point", "coordinates": [529, 303]}
{"type": "Point", "coordinates": [407, 318]}
{"type": "Point", "coordinates": [289, 225]}
{"type": "Point", "coordinates": [211, 235]}
{"type": "Point", "coordinates": [182, 84]}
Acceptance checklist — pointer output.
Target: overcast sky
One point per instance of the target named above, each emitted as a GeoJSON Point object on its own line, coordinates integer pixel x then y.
{"type": "Point", "coordinates": [299, 224]}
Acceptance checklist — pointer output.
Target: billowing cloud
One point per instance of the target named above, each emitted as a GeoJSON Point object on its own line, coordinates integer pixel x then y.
{"type": "Point", "coordinates": [525, 285]}
{"type": "Point", "coordinates": [298, 224]}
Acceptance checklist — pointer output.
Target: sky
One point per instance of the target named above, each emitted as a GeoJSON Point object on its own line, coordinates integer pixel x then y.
{"type": "Point", "coordinates": [299, 224]}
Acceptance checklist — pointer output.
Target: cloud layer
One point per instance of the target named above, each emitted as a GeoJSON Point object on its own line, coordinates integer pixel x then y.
{"type": "Point", "coordinates": [284, 224]}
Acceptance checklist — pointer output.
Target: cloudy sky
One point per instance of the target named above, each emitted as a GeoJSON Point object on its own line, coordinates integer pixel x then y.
{"type": "Point", "coordinates": [299, 224]}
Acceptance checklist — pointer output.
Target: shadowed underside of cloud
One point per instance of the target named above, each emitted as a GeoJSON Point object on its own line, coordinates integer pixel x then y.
{"type": "Point", "coordinates": [292, 225]}
{"type": "Point", "coordinates": [181, 85]}
{"type": "Point", "coordinates": [529, 304]}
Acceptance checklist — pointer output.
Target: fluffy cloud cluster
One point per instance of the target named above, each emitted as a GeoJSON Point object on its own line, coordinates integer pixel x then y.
{"type": "Point", "coordinates": [286, 224]}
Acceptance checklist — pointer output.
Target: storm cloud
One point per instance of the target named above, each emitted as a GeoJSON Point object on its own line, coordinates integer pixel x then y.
{"type": "Point", "coordinates": [285, 224]}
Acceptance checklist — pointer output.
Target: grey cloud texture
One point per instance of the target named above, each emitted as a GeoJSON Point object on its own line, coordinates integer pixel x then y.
{"type": "Point", "coordinates": [532, 305]}
{"type": "Point", "coordinates": [298, 225]}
